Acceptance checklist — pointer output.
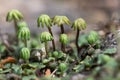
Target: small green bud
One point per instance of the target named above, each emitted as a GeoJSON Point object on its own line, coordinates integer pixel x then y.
{"type": "Point", "coordinates": [94, 33]}
{"type": "Point", "coordinates": [44, 20]}
{"type": "Point", "coordinates": [25, 53]}
{"type": "Point", "coordinates": [45, 61]}
{"type": "Point", "coordinates": [46, 36]}
{"type": "Point", "coordinates": [14, 14]}
{"type": "Point", "coordinates": [55, 54]}
{"type": "Point", "coordinates": [60, 20]}
{"type": "Point", "coordinates": [22, 24]}
{"type": "Point", "coordinates": [61, 54]}
{"type": "Point", "coordinates": [23, 34]}
{"type": "Point", "coordinates": [34, 43]}
{"type": "Point", "coordinates": [92, 37]}
{"type": "Point", "coordinates": [63, 38]}
{"type": "Point", "coordinates": [50, 54]}
{"type": "Point", "coordinates": [63, 67]}
{"type": "Point", "coordinates": [79, 24]}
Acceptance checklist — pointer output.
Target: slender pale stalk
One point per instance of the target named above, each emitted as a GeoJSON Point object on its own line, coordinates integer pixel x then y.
{"type": "Point", "coordinates": [54, 71]}
{"type": "Point", "coordinates": [53, 42]}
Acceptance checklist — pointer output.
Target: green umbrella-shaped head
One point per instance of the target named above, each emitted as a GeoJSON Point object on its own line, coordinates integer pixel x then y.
{"type": "Point", "coordinates": [92, 37]}
{"type": "Point", "coordinates": [44, 20]}
{"type": "Point", "coordinates": [79, 24]}
{"type": "Point", "coordinates": [14, 15]}
{"type": "Point", "coordinates": [46, 36]}
{"type": "Point", "coordinates": [23, 34]}
{"type": "Point", "coordinates": [22, 24]}
{"type": "Point", "coordinates": [25, 53]}
{"type": "Point", "coordinates": [60, 20]}
{"type": "Point", "coordinates": [63, 38]}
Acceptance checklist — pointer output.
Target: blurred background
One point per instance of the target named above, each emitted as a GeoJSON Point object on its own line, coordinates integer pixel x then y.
{"type": "Point", "coordinates": [93, 11]}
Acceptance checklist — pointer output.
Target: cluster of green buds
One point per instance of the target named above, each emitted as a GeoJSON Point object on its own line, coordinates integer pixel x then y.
{"type": "Point", "coordinates": [25, 54]}
{"type": "Point", "coordinates": [14, 15]}
{"type": "Point", "coordinates": [63, 38]}
{"type": "Point", "coordinates": [93, 37]}
{"type": "Point", "coordinates": [22, 24]}
{"type": "Point", "coordinates": [60, 20]}
{"type": "Point", "coordinates": [24, 34]}
{"type": "Point", "coordinates": [44, 20]}
{"type": "Point", "coordinates": [45, 37]}
{"type": "Point", "coordinates": [79, 24]}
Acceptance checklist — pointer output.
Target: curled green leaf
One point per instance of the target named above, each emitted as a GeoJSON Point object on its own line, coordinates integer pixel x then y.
{"type": "Point", "coordinates": [60, 20]}
{"type": "Point", "coordinates": [45, 36]}
{"type": "Point", "coordinates": [14, 15]}
{"type": "Point", "coordinates": [44, 20]}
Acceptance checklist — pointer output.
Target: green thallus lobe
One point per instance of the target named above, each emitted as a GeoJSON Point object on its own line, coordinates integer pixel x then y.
{"type": "Point", "coordinates": [45, 37]}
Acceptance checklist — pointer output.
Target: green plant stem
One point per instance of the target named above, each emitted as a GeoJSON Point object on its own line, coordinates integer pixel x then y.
{"type": "Point", "coordinates": [25, 43]}
{"type": "Point", "coordinates": [77, 39]}
{"type": "Point", "coordinates": [62, 28]}
{"type": "Point", "coordinates": [62, 45]}
{"type": "Point", "coordinates": [46, 47]}
{"type": "Point", "coordinates": [54, 71]}
{"type": "Point", "coordinates": [15, 26]}
{"type": "Point", "coordinates": [53, 42]}
{"type": "Point", "coordinates": [27, 61]}
{"type": "Point", "coordinates": [16, 30]}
